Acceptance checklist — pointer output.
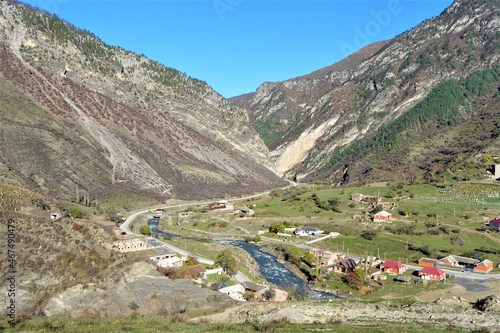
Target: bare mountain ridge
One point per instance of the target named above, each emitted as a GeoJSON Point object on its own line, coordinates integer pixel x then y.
{"type": "Point", "coordinates": [307, 122]}
{"type": "Point", "coordinates": [132, 122]}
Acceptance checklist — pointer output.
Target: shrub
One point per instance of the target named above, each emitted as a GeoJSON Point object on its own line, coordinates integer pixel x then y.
{"type": "Point", "coordinates": [145, 229]}
{"type": "Point", "coordinates": [434, 231]}
{"type": "Point", "coordinates": [277, 227]}
{"type": "Point", "coordinates": [76, 213]}
{"type": "Point", "coordinates": [369, 234]}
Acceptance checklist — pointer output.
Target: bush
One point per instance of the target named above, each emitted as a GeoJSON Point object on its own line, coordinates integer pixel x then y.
{"type": "Point", "coordinates": [369, 234]}
{"type": "Point", "coordinates": [76, 213]}
{"type": "Point", "coordinates": [277, 228]}
{"type": "Point", "coordinates": [145, 229]}
{"type": "Point", "coordinates": [434, 231]}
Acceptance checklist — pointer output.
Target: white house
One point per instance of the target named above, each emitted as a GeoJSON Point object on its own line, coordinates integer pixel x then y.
{"type": "Point", "coordinates": [236, 292]}
{"type": "Point", "coordinates": [170, 262]}
{"type": "Point", "coordinates": [307, 231]}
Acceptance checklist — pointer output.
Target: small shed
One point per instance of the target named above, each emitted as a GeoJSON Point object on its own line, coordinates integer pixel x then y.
{"type": "Point", "coordinates": [403, 278]}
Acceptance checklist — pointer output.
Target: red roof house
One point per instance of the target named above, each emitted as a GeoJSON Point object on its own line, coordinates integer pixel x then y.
{"type": "Point", "coordinates": [431, 273]}
{"type": "Point", "coordinates": [495, 224]}
{"type": "Point", "coordinates": [394, 267]}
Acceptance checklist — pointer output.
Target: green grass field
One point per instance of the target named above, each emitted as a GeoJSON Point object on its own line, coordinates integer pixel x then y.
{"type": "Point", "coordinates": [452, 223]}
{"type": "Point", "coordinates": [179, 323]}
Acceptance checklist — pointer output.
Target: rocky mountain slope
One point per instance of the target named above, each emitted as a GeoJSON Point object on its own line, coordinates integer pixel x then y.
{"type": "Point", "coordinates": [76, 113]}
{"type": "Point", "coordinates": [68, 267]}
{"type": "Point", "coordinates": [349, 116]}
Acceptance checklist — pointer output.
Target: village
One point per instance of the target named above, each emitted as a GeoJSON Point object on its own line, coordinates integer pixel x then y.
{"type": "Point", "coordinates": [177, 263]}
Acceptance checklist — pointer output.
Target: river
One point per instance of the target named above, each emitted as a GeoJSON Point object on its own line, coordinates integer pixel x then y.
{"type": "Point", "coordinates": [273, 271]}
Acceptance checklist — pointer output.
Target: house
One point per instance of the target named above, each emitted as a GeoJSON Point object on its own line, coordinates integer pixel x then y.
{"type": "Point", "coordinates": [494, 171]}
{"type": "Point", "coordinates": [218, 270]}
{"type": "Point", "coordinates": [427, 262]}
{"type": "Point", "coordinates": [244, 210]}
{"type": "Point", "coordinates": [484, 266]}
{"type": "Point", "coordinates": [370, 260]}
{"type": "Point", "coordinates": [495, 224]}
{"type": "Point", "coordinates": [160, 257]}
{"type": "Point", "coordinates": [431, 273]}
{"type": "Point", "coordinates": [306, 231]}
{"type": "Point", "coordinates": [459, 262]}
{"type": "Point", "coordinates": [325, 257]}
{"type": "Point", "coordinates": [393, 267]}
{"type": "Point", "coordinates": [170, 262]}
{"type": "Point", "coordinates": [222, 205]}
{"type": "Point", "coordinates": [374, 273]}
{"type": "Point", "coordinates": [252, 286]}
{"type": "Point", "coordinates": [382, 216]}
{"type": "Point", "coordinates": [159, 210]}
{"type": "Point", "coordinates": [236, 292]}
{"type": "Point", "coordinates": [128, 245]}
{"type": "Point", "coordinates": [372, 199]}
{"type": "Point", "coordinates": [357, 197]}
{"type": "Point", "coordinates": [449, 261]}
{"type": "Point", "coordinates": [119, 232]}
{"type": "Point", "coordinates": [194, 271]}
{"type": "Point", "coordinates": [345, 266]}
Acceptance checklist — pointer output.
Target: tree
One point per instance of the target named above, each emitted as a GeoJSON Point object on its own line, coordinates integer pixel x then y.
{"type": "Point", "coordinates": [269, 294]}
{"type": "Point", "coordinates": [354, 279]}
{"type": "Point", "coordinates": [145, 229]}
{"type": "Point", "coordinates": [310, 258]}
{"type": "Point", "coordinates": [226, 260]}
{"type": "Point", "coordinates": [369, 234]}
{"type": "Point", "coordinates": [191, 261]}
{"type": "Point", "coordinates": [277, 228]}
{"type": "Point", "coordinates": [334, 203]}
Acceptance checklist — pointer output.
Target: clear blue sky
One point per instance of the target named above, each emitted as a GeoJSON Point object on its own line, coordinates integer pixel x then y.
{"type": "Point", "coordinates": [235, 45]}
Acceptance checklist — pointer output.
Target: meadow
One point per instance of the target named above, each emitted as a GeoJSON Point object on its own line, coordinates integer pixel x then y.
{"type": "Point", "coordinates": [427, 220]}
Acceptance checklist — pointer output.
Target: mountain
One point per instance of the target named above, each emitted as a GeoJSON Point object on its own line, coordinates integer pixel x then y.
{"type": "Point", "coordinates": [79, 115]}
{"type": "Point", "coordinates": [412, 106]}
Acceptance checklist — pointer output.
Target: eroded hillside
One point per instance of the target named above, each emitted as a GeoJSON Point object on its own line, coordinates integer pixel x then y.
{"type": "Point", "coordinates": [78, 113]}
